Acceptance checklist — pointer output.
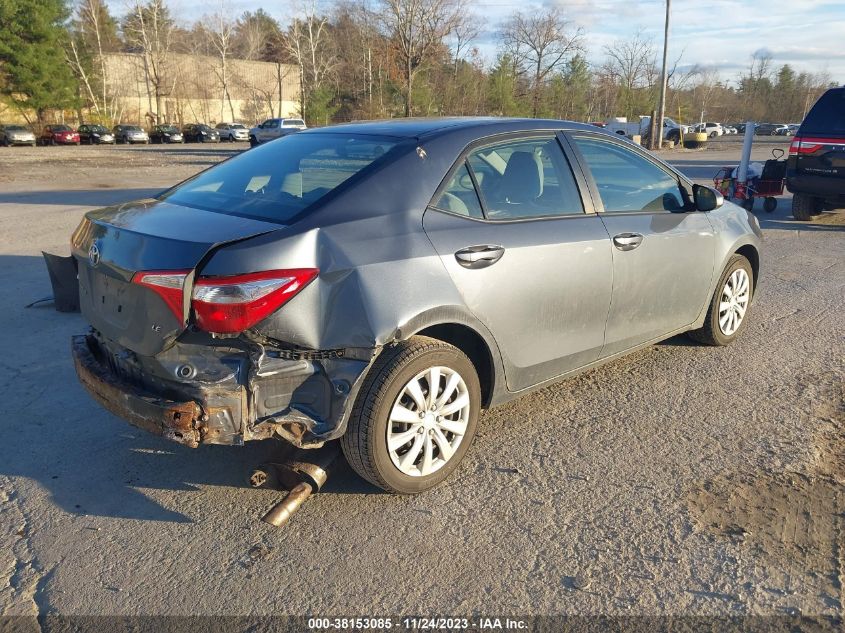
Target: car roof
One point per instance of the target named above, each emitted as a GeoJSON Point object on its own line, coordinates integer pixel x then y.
{"type": "Point", "coordinates": [428, 127]}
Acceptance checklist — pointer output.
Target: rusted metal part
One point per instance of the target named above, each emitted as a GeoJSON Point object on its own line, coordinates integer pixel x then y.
{"type": "Point", "coordinates": [202, 391]}
{"type": "Point", "coordinates": [282, 511]}
{"type": "Point", "coordinates": [177, 421]}
{"type": "Point", "coordinates": [303, 473]}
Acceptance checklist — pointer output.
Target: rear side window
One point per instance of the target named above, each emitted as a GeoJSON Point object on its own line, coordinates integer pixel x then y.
{"type": "Point", "coordinates": [828, 115]}
{"type": "Point", "coordinates": [460, 196]}
{"type": "Point", "coordinates": [627, 181]}
{"type": "Point", "coordinates": [525, 178]}
{"type": "Point", "coordinates": [279, 180]}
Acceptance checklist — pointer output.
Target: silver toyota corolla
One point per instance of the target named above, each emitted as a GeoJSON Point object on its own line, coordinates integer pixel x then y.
{"type": "Point", "coordinates": [381, 283]}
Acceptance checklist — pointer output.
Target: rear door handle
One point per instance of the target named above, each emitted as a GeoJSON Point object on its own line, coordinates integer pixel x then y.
{"type": "Point", "coordinates": [480, 256]}
{"type": "Point", "coordinates": [627, 241]}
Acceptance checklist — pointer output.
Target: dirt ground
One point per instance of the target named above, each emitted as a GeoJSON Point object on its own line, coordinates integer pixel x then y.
{"type": "Point", "coordinates": [681, 480]}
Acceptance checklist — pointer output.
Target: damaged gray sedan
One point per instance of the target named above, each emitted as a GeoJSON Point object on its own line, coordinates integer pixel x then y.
{"type": "Point", "coordinates": [381, 283]}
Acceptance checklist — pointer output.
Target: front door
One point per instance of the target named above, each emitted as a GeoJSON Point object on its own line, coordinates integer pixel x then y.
{"type": "Point", "coordinates": [530, 262]}
{"type": "Point", "coordinates": [663, 250]}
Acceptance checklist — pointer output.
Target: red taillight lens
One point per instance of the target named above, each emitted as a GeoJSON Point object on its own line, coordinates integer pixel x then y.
{"type": "Point", "coordinates": [807, 145]}
{"type": "Point", "coordinates": [167, 284]}
{"type": "Point", "coordinates": [227, 305]}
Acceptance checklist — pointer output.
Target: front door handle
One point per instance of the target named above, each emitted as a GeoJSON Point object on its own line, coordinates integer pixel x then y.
{"type": "Point", "coordinates": [627, 241]}
{"type": "Point", "coordinates": [480, 256]}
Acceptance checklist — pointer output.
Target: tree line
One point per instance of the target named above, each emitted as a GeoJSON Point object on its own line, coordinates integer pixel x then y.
{"type": "Point", "coordinates": [363, 59]}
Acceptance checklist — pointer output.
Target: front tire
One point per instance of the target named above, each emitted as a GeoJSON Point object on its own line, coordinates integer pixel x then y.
{"type": "Point", "coordinates": [728, 311]}
{"type": "Point", "coordinates": [403, 436]}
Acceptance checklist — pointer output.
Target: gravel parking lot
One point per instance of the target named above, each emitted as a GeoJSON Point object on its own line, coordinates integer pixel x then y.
{"type": "Point", "coordinates": [679, 480]}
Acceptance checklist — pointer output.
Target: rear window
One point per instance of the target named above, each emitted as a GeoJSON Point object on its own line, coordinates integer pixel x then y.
{"type": "Point", "coordinates": [828, 115]}
{"type": "Point", "coordinates": [279, 180]}
{"type": "Point", "coordinates": [293, 122]}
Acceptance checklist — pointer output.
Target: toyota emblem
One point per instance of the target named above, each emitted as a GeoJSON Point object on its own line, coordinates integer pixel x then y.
{"type": "Point", "coordinates": [94, 255]}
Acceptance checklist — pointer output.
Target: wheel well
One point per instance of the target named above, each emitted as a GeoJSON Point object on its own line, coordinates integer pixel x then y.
{"type": "Point", "coordinates": [750, 253]}
{"type": "Point", "coordinates": [470, 343]}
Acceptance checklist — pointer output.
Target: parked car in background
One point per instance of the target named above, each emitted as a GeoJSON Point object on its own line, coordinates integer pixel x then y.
{"type": "Point", "coordinates": [672, 131]}
{"type": "Point", "coordinates": [729, 129]}
{"type": "Point", "coordinates": [232, 132]}
{"type": "Point", "coordinates": [783, 130]}
{"type": "Point", "coordinates": [16, 135]}
{"type": "Point", "coordinates": [793, 127]}
{"type": "Point", "coordinates": [815, 168]}
{"type": "Point", "coordinates": [710, 129]}
{"type": "Point", "coordinates": [200, 133]}
{"type": "Point", "coordinates": [94, 134]}
{"type": "Point", "coordinates": [344, 284]}
{"type": "Point", "coordinates": [165, 134]}
{"type": "Point", "coordinates": [58, 135]}
{"type": "Point", "coordinates": [130, 134]}
{"type": "Point", "coordinates": [272, 129]}
{"type": "Point", "coordinates": [766, 129]}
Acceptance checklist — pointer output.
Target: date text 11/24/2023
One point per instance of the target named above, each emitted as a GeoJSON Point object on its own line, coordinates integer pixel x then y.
{"type": "Point", "coordinates": [416, 623]}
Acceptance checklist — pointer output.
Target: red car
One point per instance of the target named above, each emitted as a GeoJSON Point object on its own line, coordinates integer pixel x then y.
{"type": "Point", "coordinates": [59, 135]}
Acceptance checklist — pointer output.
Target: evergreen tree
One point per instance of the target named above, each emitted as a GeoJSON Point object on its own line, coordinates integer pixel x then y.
{"type": "Point", "coordinates": [33, 70]}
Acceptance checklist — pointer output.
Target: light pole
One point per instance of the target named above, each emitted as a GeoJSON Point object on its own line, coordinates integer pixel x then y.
{"type": "Point", "coordinates": [661, 111]}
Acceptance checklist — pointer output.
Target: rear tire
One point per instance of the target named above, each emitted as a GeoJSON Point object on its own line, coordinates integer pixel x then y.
{"type": "Point", "coordinates": [804, 206]}
{"type": "Point", "coordinates": [400, 371]}
{"type": "Point", "coordinates": [712, 333]}
{"type": "Point", "coordinates": [770, 205]}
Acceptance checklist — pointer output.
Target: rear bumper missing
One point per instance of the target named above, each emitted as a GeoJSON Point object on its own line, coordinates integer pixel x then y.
{"type": "Point", "coordinates": [177, 421]}
{"type": "Point", "coordinates": [306, 401]}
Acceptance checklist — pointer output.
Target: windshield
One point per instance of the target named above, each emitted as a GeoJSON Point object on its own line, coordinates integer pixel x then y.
{"type": "Point", "coordinates": [279, 180]}
{"type": "Point", "coordinates": [204, 128]}
{"type": "Point", "coordinates": [16, 128]}
{"type": "Point", "coordinates": [132, 128]}
{"type": "Point", "coordinates": [61, 128]}
{"type": "Point", "coordinates": [168, 128]}
{"type": "Point", "coordinates": [97, 128]}
{"type": "Point", "coordinates": [237, 126]}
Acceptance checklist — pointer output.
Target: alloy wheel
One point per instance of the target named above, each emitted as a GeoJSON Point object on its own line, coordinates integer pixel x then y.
{"type": "Point", "coordinates": [428, 421]}
{"type": "Point", "coordinates": [734, 302]}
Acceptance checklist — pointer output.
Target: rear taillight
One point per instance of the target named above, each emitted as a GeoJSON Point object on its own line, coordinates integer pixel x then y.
{"type": "Point", "coordinates": [804, 145]}
{"type": "Point", "coordinates": [167, 284]}
{"type": "Point", "coordinates": [227, 305]}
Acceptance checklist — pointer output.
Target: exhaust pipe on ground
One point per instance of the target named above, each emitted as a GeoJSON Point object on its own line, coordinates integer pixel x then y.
{"type": "Point", "coordinates": [304, 473]}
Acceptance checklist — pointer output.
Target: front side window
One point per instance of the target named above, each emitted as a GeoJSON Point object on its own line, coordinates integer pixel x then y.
{"type": "Point", "coordinates": [627, 181]}
{"type": "Point", "coordinates": [277, 181]}
{"type": "Point", "coordinates": [525, 178]}
{"type": "Point", "coordinates": [459, 196]}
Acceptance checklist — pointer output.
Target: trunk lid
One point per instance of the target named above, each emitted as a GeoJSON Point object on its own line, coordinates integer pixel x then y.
{"type": "Point", "coordinates": [112, 244]}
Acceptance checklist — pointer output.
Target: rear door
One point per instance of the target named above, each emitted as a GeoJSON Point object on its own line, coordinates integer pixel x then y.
{"type": "Point", "coordinates": [663, 252]}
{"type": "Point", "coordinates": [530, 258]}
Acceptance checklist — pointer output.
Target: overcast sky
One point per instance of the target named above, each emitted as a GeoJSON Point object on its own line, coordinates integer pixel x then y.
{"type": "Point", "coordinates": [807, 34]}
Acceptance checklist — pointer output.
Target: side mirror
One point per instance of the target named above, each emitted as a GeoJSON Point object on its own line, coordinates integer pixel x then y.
{"type": "Point", "coordinates": [705, 198]}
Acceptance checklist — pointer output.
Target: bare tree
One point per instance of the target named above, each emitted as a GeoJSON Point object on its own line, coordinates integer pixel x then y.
{"type": "Point", "coordinates": [149, 28]}
{"type": "Point", "coordinates": [633, 64]}
{"type": "Point", "coordinates": [466, 30]}
{"type": "Point", "coordinates": [307, 43]}
{"type": "Point", "coordinates": [222, 37]}
{"type": "Point", "coordinates": [417, 29]}
{"type": "Point", "coordinates": [540, 42]}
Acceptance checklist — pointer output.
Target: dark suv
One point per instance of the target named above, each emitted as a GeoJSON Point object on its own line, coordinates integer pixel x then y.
{"type": "Point", "coordinates": [815, 171]}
